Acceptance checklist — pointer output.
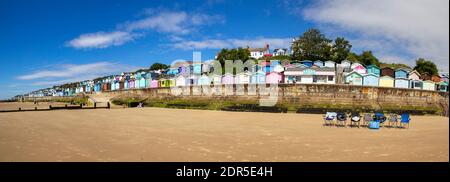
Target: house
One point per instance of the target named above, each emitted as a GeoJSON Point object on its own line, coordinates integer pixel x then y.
{"type": "Point", "coordinates": [436, 78]}
{"type": "Point", "coordinates": [401, 73]}
{"type": "Point", "coordinates": [386, 81]}
{"type": "Point", "coordinates": [310, 75]}
{"type": "Point", "coordinates": [401, 82]}
{"type": "Point", "coordinates": [442, 86]}
{"type": "Point", "coordinates": [373, 69]}
{"type": "Point", "coordinates": [243, 78]}
{"type": "Point", "coordinates": [353, 78]}
{"type": "Point", "coordinates": [318, 63]}
{"type": "Point", "coordinates": [280, 52]}
{"type": "Point", "coordinates": [228, 78]}
{"type": "Point", "coordinates": [259, 52]}
{"type": "Point", "coordinates": [387, 71]}
{"type": "Point", "coordinates": [371, 79]}
{"type": "Point", "coordinates": [329, 64]}
{"type": "Point", "coordinates": [428, 85]}
{"type": "Point", "coordinates": [258, 77]}
{"type": "Point", "coordinates": [425, 76]}
{"type": "Point", "coordinates": [274, 77]}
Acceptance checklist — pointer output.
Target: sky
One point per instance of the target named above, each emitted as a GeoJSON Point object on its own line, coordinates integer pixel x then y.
{"type": "Point", "coordinates": [49, 42]}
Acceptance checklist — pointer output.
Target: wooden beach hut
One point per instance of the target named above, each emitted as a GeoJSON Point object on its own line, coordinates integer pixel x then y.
{"type": "Point", "coordinates": [354, 78]}
{"type": "Point", "coordinates": [428, 85]}
{"type": "Point", "coordinates": [371, 80]}
{"type": "Point", "coordinates": [387, 71]}
{"type": "Point", "coordinates": [373, 69]}
{"type": "Point", "coordinates": [386, 81]}
{"type": "Point", "coordinates": [274, 77]}
{"type": "Point", "coordinates": [228, 78]}
{"type": "Point", "coordinates": [329, 64]}
{"type": "Point", "coordinates": [258, 77]}
{"type": "Point", "coordinates": [442, 86]}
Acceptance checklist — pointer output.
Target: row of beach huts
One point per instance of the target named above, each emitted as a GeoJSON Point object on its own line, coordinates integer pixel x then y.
{"type": "Point", "coordinates": [273, 72]}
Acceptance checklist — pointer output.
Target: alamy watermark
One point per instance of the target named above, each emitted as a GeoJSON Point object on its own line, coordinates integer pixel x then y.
{"type": "Point", "coordinates": [211, 77]}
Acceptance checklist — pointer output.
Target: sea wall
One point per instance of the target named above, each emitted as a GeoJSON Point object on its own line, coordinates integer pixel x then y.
{"type": "Point", "coordinates": [292, 97]}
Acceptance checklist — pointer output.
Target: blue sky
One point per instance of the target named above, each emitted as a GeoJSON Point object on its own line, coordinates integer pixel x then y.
{"type": "Point", "coordinates": [49, 42]}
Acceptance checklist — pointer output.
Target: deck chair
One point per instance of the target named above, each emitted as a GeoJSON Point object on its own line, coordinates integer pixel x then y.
{"type": "Point", "coordinates": [366, 119]}
{"type": "Point", "coordinates": [355, 119]}
{"type": "Point", "coordinates": [379, 116]}
{"type": "Point", "coordinates": [329, 118]}
{"type": "Point", "coordinates": [341, 118]}
{"type": "Point", "coordinates": [393, 120]}
{"type": "Point", "coordinates": [404, 120]}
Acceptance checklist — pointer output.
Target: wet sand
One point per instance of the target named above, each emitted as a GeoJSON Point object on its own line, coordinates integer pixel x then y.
{"type": "Point", "coordinates": [158, 134]}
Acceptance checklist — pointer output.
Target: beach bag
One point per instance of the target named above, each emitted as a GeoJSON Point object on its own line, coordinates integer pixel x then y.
{"type": "Point", "coordinates": [374, 125]}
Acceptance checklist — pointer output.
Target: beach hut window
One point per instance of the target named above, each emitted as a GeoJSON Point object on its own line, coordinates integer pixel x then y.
{"type": "Point", "coordinates": [330, 78]}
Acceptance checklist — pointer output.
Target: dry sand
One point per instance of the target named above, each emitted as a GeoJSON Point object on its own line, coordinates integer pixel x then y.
{"type": "Point", "coordinates": [158, 134]}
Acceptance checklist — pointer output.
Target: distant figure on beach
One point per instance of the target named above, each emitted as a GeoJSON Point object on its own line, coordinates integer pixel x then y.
{"type": "Point", "coordinates": [140, 105]}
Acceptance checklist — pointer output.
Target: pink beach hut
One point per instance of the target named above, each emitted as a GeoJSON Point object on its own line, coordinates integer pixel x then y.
{"type": "Point", "coordinates": [154, 84]}
{"type": "Point", "coordinates": [228, 78]}
{"type": "Point", "coordinates": [274, 77]}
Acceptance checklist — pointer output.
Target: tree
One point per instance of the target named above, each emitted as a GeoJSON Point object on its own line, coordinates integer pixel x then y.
{"type": "Point", "coordinates": [352, 57]}
{"type": "Point", "coordinates": [367, 58]}
{"type": "Point", "coordinates": [158, 66]}
{"type": "Point", "coordinates": [233, 54]}
{"type": "Point", "coordinates": [340, 49]}
{"type": "Point", "coordinates": [312, 45]}
{"type": "Point", "coordinates": [426, 66]}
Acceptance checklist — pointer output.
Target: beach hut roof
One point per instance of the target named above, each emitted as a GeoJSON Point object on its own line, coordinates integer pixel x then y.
{"type": "Point", "coordinates": [353, 72]}
{"type": "Point", "coordinates": [373, 66]}
{"type": "Point", "coordinates": [414, 72]}
{"type": "Point", "coordinates": [386, 76]}
{"type": "Point", "coordinates": [371, 74]}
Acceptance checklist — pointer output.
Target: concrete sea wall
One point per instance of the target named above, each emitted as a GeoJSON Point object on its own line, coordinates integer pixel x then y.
{"type": "Point", "coordinates": [290, 98]}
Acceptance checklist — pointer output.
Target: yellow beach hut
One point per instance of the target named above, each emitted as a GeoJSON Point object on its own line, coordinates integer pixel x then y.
{"type": "Point", "coordinates": [386, 81]}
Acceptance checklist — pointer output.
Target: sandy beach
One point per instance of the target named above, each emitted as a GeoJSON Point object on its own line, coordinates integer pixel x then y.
{"type": "Point", "coordinates": [158, 134]}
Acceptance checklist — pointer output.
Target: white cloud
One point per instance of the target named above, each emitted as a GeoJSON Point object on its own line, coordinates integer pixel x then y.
{"type": "Point", "coordinates": [101, 39]}
{"type": "Point", "coordinates": [169, 22]}
{"type": "Point", "coordinates": [77, 72]}
{"type": "Point", "coordinates": [232, 43]}
{"type": "Point", "coordinates": [418, 28]}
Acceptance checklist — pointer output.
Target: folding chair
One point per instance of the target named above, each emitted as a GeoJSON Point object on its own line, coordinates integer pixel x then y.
{"type": "Point", "coordinates": [405, 120]}
{"type": "Point", "coordinates": [329, 118]}
{"type": "Point", "coordinates": [366, 119]}
{"type": "Point", "coordinates": [341, 119]}
{"type": "Point", "coordinates": [393, 119]}
{"type": "Point", "coordinates": [355, 119]}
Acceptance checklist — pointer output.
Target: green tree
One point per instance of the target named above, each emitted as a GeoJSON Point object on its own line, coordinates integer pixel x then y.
{"type": "Point", "coordinates": [233, 54]}
{"type": "Point", "coordinates": [158, 66]}
{"type": "Point", "coordinates": [426, 66]}
{"type": "Point", "coordinates": [352, 57]}
{"type": "Point", "coordinates": [367, 58]}
{"type": "Point", "coordinates": [340, 49]}
{"type": "Point", "coordinates": [312, 45]}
